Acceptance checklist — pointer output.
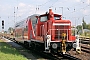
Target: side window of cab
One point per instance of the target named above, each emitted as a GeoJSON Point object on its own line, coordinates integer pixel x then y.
{"type": "Point", "coordinates": [43, 18]}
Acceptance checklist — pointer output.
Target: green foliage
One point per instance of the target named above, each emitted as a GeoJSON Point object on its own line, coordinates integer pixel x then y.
{"type": "Point", "coordinates": [84, 24]}
{"type": "Point", "coordinates": [10, 29]}
{"type": "Point", "coordinates": [9, 53]}
{"type": "Point", "coordinates": [79, 27]}
{"type": "Point", "coordinates": [73, 32]}
{"type": "Point", "coordinates": [88, 26]}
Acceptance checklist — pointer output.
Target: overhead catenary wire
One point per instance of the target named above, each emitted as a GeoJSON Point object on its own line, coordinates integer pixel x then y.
{"type": "Point", "coordinates": [45, 3]}
{"type": "Point", "coordinates": [68, 8]}
{"type": "Point", "coordinates": [53, 4]}
{"type": "Point", "coordinates": [40, 5]}
{"type": "Point", "coordinates": [82, 7]}
{"type": "Point", "coordinates": [75, 10]}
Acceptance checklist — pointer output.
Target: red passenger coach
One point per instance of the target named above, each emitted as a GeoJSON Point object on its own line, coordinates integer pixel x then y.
{"type": "Point", "coordinates": [47, 31]}
{"type": "Point", "coordinates": [23, 29]}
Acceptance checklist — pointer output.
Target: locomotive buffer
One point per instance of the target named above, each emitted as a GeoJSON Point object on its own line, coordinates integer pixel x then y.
{"type": "Point", "coordinates": [77, 45]}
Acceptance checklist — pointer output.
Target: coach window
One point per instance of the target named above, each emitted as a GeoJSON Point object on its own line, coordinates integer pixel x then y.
{"type": "Point", "coordinates": [16, 25]}
{"type": "Point", "coordinates": [43, 18]}
{"type": "Point", "coordinates": [26, 28]}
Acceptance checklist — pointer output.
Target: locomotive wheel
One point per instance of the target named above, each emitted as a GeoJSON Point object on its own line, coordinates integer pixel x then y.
{"type": "Point", "coordinates": [52, 51]}
{"type": "Point", "coordinates": [32, 45]}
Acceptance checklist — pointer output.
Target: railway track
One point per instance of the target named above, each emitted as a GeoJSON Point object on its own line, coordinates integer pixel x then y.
{"type": "Point", "coordinates": [84, 45]}
{"type": "Point", "coordinates": [85, 48]}
{"type": "Point", "coordinates": [55, 56]}
{"type": "Point", "coordinates": [85, 52]}
{"type": "Point", "coordinates": [25, 52]}
{"type": "Point", "coordinates": [85, 41]}
{"type": "Point", "coordinates": [65, 56]}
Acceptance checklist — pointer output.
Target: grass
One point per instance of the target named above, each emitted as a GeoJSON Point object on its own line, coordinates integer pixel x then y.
{"type": "Point", "coordinates": [9, 53]}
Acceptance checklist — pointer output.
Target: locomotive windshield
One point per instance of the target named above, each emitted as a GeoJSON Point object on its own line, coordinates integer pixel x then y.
{"type": "Point", "coordinates": [56, 18]}
{"type": "Point", "coordinates": [43, 18]}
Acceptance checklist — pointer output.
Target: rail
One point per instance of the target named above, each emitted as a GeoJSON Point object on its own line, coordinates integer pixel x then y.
{"type": "Point", "coordinates": [55, 56]}
{"type": "Point", "coordinates": [65, 56]}
{"type": "Point", "coordinates": [83, 37]}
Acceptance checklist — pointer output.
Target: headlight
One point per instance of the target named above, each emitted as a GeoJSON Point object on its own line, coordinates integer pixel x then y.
{"type": "Point", "coordinates": [54, 45]}
{"type": "Point", "coordinates": [74, 45]}
{"type": "Point", "coordinates": [48, 37]}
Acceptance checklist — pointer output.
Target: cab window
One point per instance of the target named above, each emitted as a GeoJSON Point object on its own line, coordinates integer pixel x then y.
{"type": "Point", "coordinates": [43, 18]}
{"type": "Point", "coordinates": [56, 18]}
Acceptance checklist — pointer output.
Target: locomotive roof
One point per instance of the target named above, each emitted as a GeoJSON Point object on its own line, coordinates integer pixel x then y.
{"type": "Point", "coordinates": [54, 15]}
{"type": "Point", "coordinates": [32, 16]}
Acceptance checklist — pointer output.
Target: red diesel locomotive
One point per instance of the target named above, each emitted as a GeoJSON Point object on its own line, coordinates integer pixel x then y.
{"type": "Point", "coordinates": [48, 32]}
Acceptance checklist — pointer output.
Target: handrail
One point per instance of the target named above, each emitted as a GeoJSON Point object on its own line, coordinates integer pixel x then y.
{"type": "Point", "coordinates": [58, 32]}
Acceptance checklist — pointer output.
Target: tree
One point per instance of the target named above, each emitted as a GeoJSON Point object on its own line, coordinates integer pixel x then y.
{"type": "Point", "coordinates": [84, 25]}
{"type": "Point", "coordinates": [88, 26]}
{"type": "Point", "coordinates": [10, 29]}
{"type": "Point", "coordinates": [79, 27]}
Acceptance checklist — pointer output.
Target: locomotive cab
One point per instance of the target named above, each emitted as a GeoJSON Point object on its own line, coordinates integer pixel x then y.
{"type": "Point", "coordinates": [50, 28]}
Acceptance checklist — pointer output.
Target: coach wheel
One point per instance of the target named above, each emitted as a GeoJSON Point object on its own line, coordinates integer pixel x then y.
{"type": "Point", "coordinates": [32, 45]}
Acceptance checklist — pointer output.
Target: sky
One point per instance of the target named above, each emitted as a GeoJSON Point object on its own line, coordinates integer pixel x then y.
{"type": "Point", "coordinates": [12, 11]}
